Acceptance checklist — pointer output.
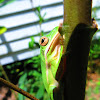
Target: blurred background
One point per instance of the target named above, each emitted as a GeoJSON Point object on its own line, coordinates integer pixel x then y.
{"type": "Point", "coordinates": [22, 22]}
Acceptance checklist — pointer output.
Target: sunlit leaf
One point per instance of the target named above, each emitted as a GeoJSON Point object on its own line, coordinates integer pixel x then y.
{"type": "Point", "coordinates": [31, 43]}
{"type": "Point", "coordinates": [2, 29]}
{"type": "Point", "coordinates": [39, 9]}
{"type": "Point", "coordinates": [17, 70]}
{"type": "Point", "coordinates": [1, 1]}
{"type": "Point", "coordinates": [23, 78]}
{"type": "Point", "coordinates": [32, 39]}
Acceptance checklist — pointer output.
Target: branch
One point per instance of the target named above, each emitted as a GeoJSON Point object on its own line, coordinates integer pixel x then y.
{"type": "Point", "coordinates": [14, 87]}
{"type": "Point", "coordinates": [6, 77]}
{"type": "Point", "coordinates": [75, 12]}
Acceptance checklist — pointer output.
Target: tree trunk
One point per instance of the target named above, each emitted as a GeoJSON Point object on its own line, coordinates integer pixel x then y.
{"type": "Point", "coordinates": [78, 30]}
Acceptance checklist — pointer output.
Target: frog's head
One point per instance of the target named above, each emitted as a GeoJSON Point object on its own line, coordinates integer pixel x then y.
{"type": "Point", "coordinates": [51, 49]}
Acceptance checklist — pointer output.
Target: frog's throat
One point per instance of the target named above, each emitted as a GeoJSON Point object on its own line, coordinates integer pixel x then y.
{"type": "Point", "coordinates": [55, 47]}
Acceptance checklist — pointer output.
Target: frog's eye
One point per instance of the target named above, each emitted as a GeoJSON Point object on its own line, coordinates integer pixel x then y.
{"type": "Point", "coordinates": [43, 41]}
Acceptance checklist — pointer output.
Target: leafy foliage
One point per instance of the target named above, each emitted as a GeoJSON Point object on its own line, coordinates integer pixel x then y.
{"type": "Point", "coordinates": [28, 73]}
{"type": "Point", "coordinates": [38, 13]}
{"type": "Point", "coordinates": [28, 77]}
{"type": "Point", "coordinates": [5, 2]}
{"type": "Point", "coordinates": [94, 55]}
{"type": "Point", "coordinates": [41, 18]}
{"type": "Point", "coordinates": [95, 49]}
{"type": "Point", "coordinates": [31, 43]}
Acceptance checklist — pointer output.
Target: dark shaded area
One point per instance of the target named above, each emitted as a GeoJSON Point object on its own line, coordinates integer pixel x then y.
{"type": "Point", "coordinates": [76, 63]}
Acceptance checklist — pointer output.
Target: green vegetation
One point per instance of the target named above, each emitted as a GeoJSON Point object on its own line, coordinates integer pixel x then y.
{"type": "Point", "coordinates": [92, 93]}
{"type": "Point", "coordinates": [28, 77]}
{"type": "Point", "coordinates": [27, 73]}
{"type": "Point", "coordinates": [93, 83]}
{"type": "Point", "coordinates": [94, 56]}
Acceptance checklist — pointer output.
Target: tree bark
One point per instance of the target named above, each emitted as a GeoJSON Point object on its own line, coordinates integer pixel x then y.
{"type": "Point", "coordinates": [75, 12]}
{"type": "Point", "coordinates": [77, 15]}
{"type": "Point", "coordinates": [78, 30]}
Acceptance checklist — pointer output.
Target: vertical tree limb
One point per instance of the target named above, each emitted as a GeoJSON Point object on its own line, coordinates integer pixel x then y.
{"type": "Point", "coordinates": [75, 12]}
{"type": "Point", "coordinates": [78, 30]}
{"type": "Point", "coordinates": [77, 15]}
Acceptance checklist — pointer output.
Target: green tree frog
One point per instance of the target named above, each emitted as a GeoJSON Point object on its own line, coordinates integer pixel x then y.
{"type": "Point", "coordinates": [51, 51]}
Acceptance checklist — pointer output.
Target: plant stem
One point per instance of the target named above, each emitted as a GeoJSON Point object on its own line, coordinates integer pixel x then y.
{"type": "Point", "coordinates": [14, 87]}
{"type": "Point", "coordinates": [38, 17]}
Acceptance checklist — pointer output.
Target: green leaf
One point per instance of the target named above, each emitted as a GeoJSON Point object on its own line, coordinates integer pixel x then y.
{"type": "Point", "coordinates": [91, 51]}
{"type": "Point", "coordinates": [8, 67]}
{"type": "Point", "coordinates": [22, 78]}
{"type": "Point", "coordinates": [36, 74]}
{"type": "Point", "coordinates": [2, 29]}
{"type": "Point", "coordinates": [40, 92]}
{"type": "Point", "coordinates": [20, 97]}
{"type": "Point", "coordinates": [32, 39]}
{"type": "Point", "coordinates": [95, 56]}
{"type": "Point", "coordinates": [38, 9]}
{"type": "Point", "coordinates": [29, 61]}
{"type": "Point", "coordinates": [21, 73]}
{"type": "Point", "coordinates": [1, 1]}
{"type": "Point", "coordinates": [30, 73]}
{"type": "Point", "coordinates": [31, 43]}
{"type": "Point", "coordinates": [36, 57]}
